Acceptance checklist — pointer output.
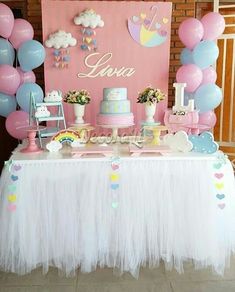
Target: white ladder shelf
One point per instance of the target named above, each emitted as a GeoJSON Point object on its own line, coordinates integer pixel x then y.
{"type": "Point", "coordinates": [57, 117]}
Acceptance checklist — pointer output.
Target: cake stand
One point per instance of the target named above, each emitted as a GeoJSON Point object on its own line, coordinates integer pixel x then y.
{"type": "Point", "coordinates": [156, 129]}
{"type": "Point", "coordinates": [32, 147]}
{"type": "Point", "coordinates": [82, 129]}
{"type": "Point", "coordinates": [115, 129]}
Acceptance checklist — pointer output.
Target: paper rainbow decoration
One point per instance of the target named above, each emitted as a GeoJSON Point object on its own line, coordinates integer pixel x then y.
{"type": "Point", "coordinates": [66, 136]}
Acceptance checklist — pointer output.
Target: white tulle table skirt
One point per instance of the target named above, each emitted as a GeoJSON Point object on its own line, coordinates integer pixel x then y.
{"type": "Point", "coordinates": [165, 209]}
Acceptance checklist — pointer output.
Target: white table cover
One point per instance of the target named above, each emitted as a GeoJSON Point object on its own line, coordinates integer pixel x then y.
{"type": "Point", "coordinates": [166, 208]}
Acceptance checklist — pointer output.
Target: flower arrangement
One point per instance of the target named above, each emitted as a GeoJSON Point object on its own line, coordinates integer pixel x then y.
{"type": "Point", "coordinates": [81, 97]}
{"type": "Point", "coordinates": [150, 96]}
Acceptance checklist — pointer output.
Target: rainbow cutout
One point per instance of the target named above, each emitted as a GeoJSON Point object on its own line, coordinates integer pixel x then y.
{"type": "Point", "coordinates": [66, 136]}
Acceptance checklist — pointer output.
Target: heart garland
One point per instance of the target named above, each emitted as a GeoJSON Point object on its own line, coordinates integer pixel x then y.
{"type": "Point", "coordinates": [114, 178]}
{"type": "Point", "coordinates": [88, 41]}
{"type": "Point", "coordinates": [61, 59]}
{"type": "Point", "coordinates": [12, 197]}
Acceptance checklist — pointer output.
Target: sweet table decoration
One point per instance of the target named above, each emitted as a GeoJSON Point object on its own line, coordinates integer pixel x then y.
{"type": "Point", "coordinates": [32, 145]}
{"type": "Point", "coordinates": [178, 142]}
{"type": "Point", "coordinates": [115, 110]}
{"type": "Point", "coordinates": [42, 112]}
{"type": "Point", "coordinates": [79, 99]}
{"type": "Point", "coordinates": [150, 97]}
{"type": "Point", "coordinates": [53, 96]}
{"type": "Point", "coordinates": [204, 143]}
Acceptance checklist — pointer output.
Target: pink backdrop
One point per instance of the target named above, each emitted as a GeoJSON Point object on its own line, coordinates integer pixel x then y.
{"type": "Point", "coordinates": [151, 64]}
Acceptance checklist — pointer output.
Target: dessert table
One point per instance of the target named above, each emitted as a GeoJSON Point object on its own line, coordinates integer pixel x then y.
{"type": "Point", "coordinates": [120, 212]}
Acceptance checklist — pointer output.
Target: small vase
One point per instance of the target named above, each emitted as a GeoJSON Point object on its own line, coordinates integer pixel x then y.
{"type": "Point", "coordinates": [150, 110]}
{"type": "Point", "coordinates": [79, 111]}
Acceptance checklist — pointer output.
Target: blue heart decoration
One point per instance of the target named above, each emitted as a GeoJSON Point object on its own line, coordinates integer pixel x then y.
{"type": "Point", "coordinates": [158, 25]}
{"type": "Point", "coordinates": [204, 143]}
{"type": "Point", "coordinates": [114, 186]}
{"type": "Point", "coordinates": [217, 165]}
{"type": "Point", "coordinates": [94, 42]}
{"type": "Point", "coordinates": [66, 58]}
{"type": "Point", "coordinates": [84, 47]}
{"type": "Point", "coordinates": [14, 177]}
{"type": "Point", "coordinates": [56, 53]}
{"type": "Point", "coordinates": [88, 32]}
{"type": "Point", "coordinates": [220, 196]}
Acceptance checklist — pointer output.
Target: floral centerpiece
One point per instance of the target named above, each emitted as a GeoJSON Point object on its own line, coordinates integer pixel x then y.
{"type": "Point", "coordinates": [79, 99]}
{"type": "Point", "coordinates": [150, 97]}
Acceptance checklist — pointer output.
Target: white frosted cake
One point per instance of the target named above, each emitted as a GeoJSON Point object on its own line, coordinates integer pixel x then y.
{"type": "Point", "coordinates": [115, 108]}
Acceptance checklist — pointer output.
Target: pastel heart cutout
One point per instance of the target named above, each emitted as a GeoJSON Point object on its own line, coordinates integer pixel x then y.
{"type": "Point", "coordinates": [221, 206]}
{"type": "Point", "coordinates": [135, 18]}
{"type": "Point", "coordinates": [114, 186]}
{"type": "Point", "coordinates": [94, 42]}
{"type": "Point", "coordinates": [114, 205]}
{"type": "Point", "coordinates": [219, 175]}
{"type": "Point", "coordinates": [163, 33]}
{"type": "Point", "coordinates": [115, 167]}
{"type": "Point", "coordinates": [142, 15]}
{"type": "Point", "coordinates": [11, 207]}
{"type": "Point", "coordinates": [88, 40]}
{"type": "Point", "coordinates": [14, 177]}
{"type": "Point", "coordinates": [57, 65]}
{"type": "Point", "coordinates": [12, 198]}
{"type": "Point", "coordinates": [84, 47]}
{"type": "Point", "coordinates": [114, 177]}
{"type": "Point", "coordinates": [147, 21]}
{"type": "Point", "coordinates": [157, 25]}
{"type": "Point", "coordinates": [217, 165]}
{"type": "Point", "coordinates": [17, 167]}
{"type": "Point", "coordinates": [12, 188]}
{"type": "Point", "coordinates": [165, 20]}
{"type": "Point", "coordinates": [220, 196]}
{"type": "Point", "coordinates": [219, 186]}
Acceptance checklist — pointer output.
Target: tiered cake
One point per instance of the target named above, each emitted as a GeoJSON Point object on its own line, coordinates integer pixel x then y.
{"type": "Point", "coordinates": [115, 108]}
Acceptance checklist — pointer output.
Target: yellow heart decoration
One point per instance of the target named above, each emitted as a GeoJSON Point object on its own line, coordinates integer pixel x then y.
{"type": "Point", "coordinates": [12, 198]}
{"type": "Point", "coordinates": [142, 15]}
{"type": "Point", "coordinates": [114, 177]}
{"type": "Point", "coordinates": [165, 20]}
{"type": "Point", "coordinates": [219, 186]}
{"type": "Point", "coordinates": [88, 40]}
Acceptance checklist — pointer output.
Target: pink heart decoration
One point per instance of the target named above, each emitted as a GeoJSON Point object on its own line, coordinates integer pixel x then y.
{"type": "Point", "coordinates": [115, 166]}
{"type": "Point", "coordinates": [11, 207]}
{"type": "Point", "coordinates": [219, 175]}
{"type": "Point", "coordinates": [147, 21]}
{"type": "Point", "coordinates": [221, 206]}
{"type": "Point", "coordinates": [163, 33]}
{"type": "Point", "coordinates": [57, 65]}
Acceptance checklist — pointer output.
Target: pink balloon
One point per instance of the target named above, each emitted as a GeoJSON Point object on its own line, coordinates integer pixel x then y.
{"type": "Point", "coordinates": [6, 21]}
{"type": "Point", "coordinates": [22, 32]}
{"type": "Point", "coordinates": [191, 75]}
{"type": "Point", "coordinates": [17, 123]}
{"type": "Point", "coordinates": [9, 79]}
{"type": "Point", "coordinates": [209, 75]}
{"type": "Point", "coordinates": [208, 119]}
{"type": "Point", "coordinates": [26, 77]}
{"type": "Point", "coordinates": [213, 24]}
{"type": "Point", "coordinates": [191, 32]}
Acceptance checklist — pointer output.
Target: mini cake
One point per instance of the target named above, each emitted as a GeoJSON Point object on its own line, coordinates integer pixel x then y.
{"type": "Point", "coordinates": [115, 108]}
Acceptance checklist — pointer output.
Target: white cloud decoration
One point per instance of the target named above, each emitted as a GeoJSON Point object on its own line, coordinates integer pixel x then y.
{"type": "Point", "coordinates": [53, 96]}
{"type": "Point", "coordinates": [178, 142]}
{"type": "Point", "coordinates": [89, 18]}
{"type": "Point", "coordinates": [54, 146]}
{"type": "Point", "coordinates": [60, 39]}
{"type": "Point", "coordinates": [42, 112]}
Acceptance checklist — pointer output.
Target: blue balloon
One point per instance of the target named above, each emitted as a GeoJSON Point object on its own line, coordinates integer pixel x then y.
{"type": "Point", "coordinates": [187, 97]}
{"type": "Point", "coordinates": [7, 104]}
{"type": "Point", "coordinates": [31, 54]}
{"type": "Point", "coordinates": [205, 54]}
{"type": "Point", "coordinates": [186, 57]}
{"type": "Point", "coordinates": [207, 97]}
{"type": "Point", "coordinates": [7, 52]}
{"type": "Point", "coordinates": [23, 95]}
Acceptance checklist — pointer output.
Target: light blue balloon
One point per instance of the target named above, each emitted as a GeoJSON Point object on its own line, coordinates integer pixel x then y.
{"type": "Point", "coordinates": [187, 97]}
{"type": "Point", "coordinates": [207, 97]}
{"type": "Point", "coordinates": [7, 52]}
{"type": "Point", "coordinates": [31, 54]}
{"type": "Point", "coordinates": [186, 57]}
{"type": "Point", "coordinates": [205, 54]}
{"type": "Point", "coordinates": [7, 104]}
{"type": "Point", "coordinates": [23, 95]}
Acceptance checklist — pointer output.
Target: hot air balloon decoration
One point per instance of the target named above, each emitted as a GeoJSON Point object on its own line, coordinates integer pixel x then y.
{"type": "Point", "coordinates": [148, 33]}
